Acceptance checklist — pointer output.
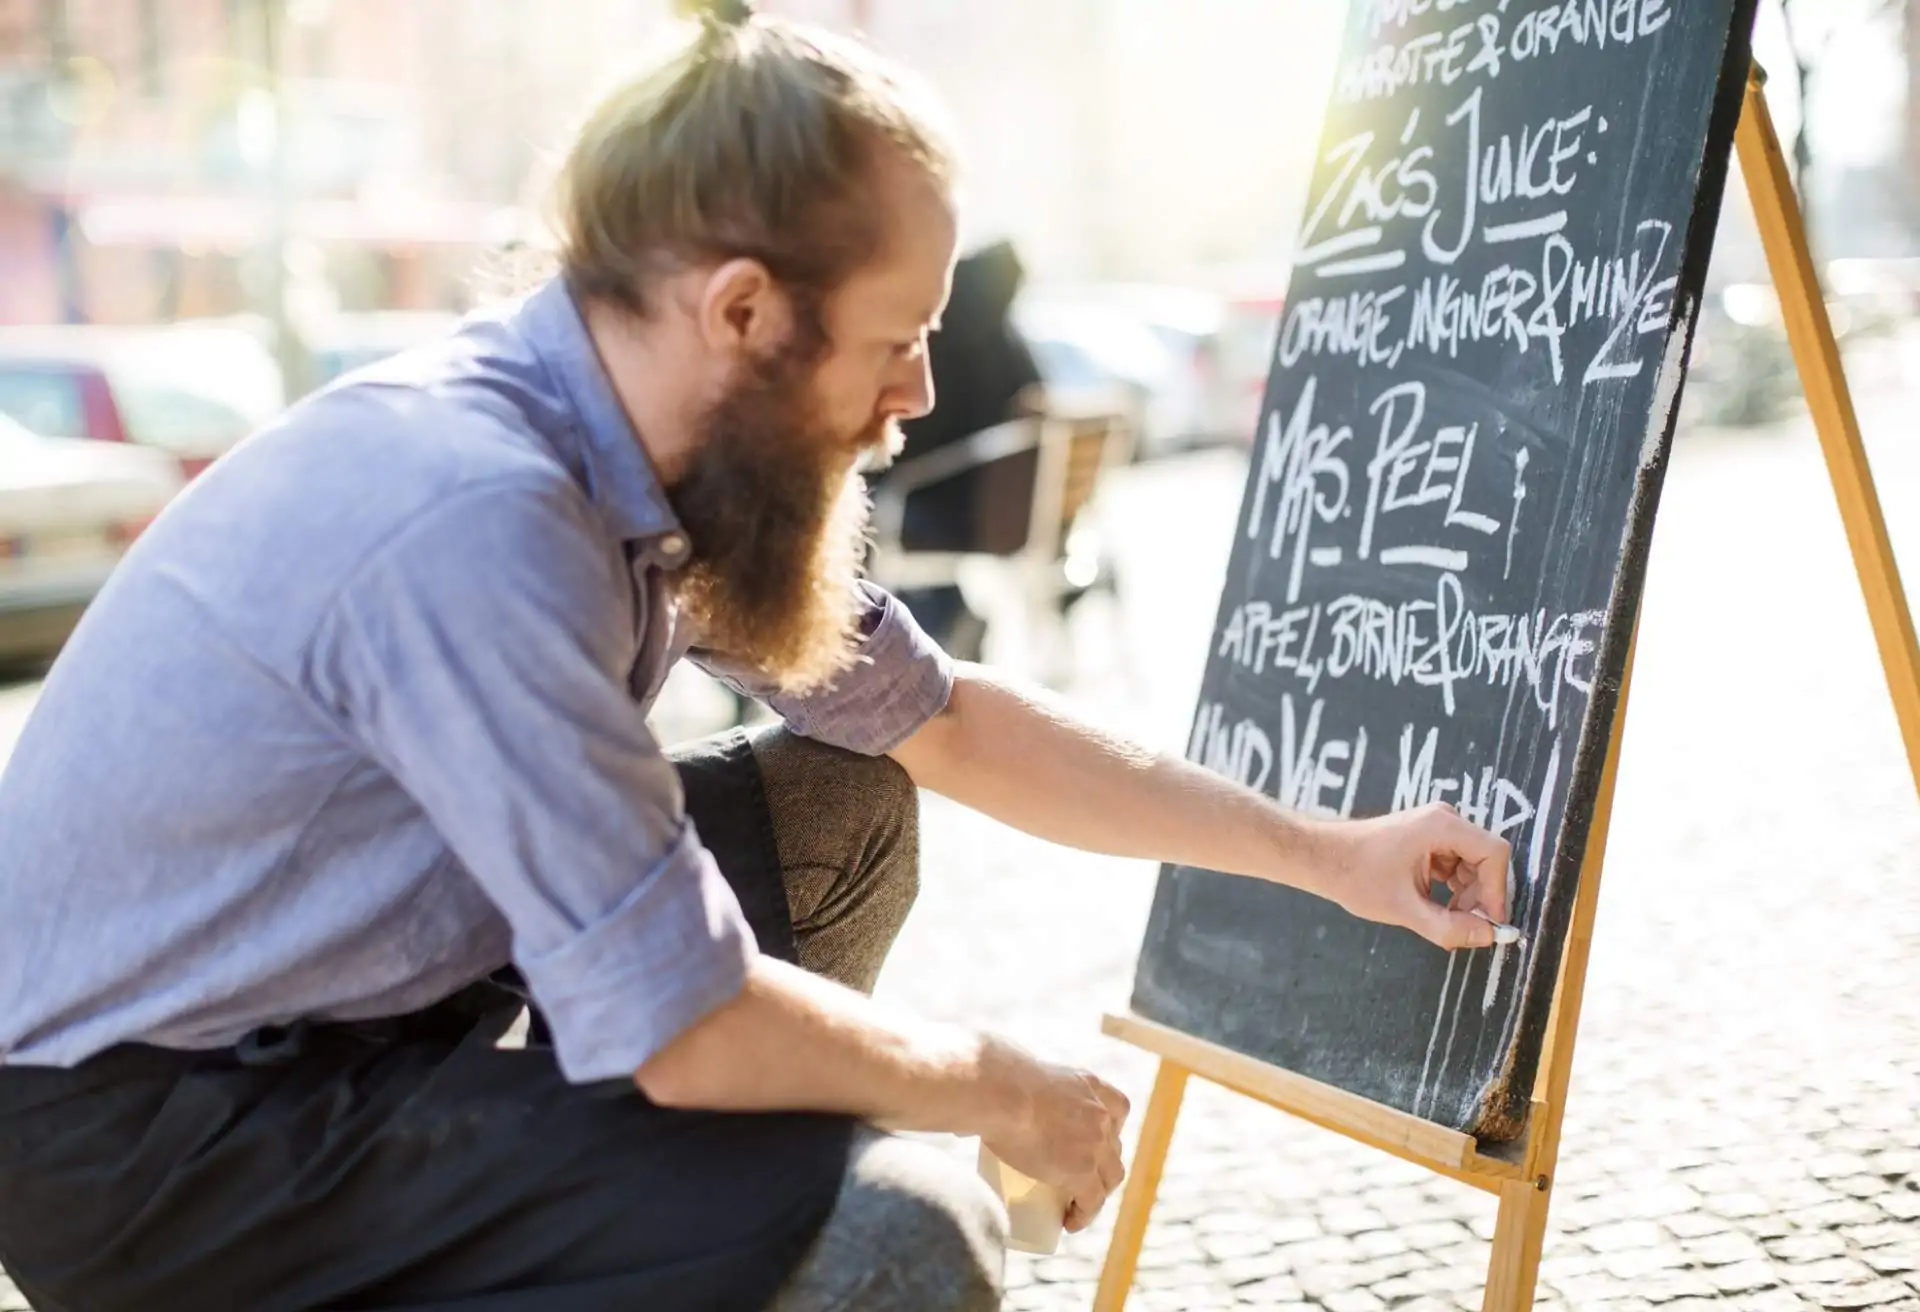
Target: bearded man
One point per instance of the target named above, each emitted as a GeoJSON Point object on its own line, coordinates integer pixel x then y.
{"type": "Point", "coordinates": [348, 771]}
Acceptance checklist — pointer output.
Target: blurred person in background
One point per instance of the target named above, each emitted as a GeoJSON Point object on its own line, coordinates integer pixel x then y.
{"type": "Point", "coordinates": [347, 773]}
{"type": "Point", "coordinates": [984, 374]}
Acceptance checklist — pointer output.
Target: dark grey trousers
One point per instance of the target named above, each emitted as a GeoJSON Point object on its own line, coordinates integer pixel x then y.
{"type": "Point", "coordinates": [913, 1228]}
{"type": "Point", "coordinates": [420, 1162]}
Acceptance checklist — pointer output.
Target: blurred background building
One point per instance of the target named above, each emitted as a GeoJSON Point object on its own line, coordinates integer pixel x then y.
{"type": "Point", "coordinates": [164, 159]}
{"type": "Point", "coordinates": [210, 207]}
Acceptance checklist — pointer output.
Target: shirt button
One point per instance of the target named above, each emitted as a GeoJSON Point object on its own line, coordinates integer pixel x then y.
{"type": "Point", "coordinates": [673, 544]}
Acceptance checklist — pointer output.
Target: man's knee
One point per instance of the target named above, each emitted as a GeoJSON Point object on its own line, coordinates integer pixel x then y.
{"type": "Point", "coordinates": [945, 1244]}
{"type": "Point", "coordinates": [913, 1229]}
{"type": "Point", "coordinates": [839, 810]}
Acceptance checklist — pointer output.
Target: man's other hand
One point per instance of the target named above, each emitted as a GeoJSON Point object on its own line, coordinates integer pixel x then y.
{"type": "Point", "coordinates": [1060, 1126]}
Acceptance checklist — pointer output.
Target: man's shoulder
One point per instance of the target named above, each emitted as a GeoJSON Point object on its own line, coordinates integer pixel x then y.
{"type": "Point", "coordinates": [382, 445]}
{"type": "Point", "coordinates": [391, 443]}
{"type": "Point", "coordinates": [272, 533]}
{"type": "Point", "coordinates": [436, 417]}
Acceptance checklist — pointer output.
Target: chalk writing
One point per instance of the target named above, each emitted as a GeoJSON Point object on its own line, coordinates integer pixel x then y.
{"type": "Point", "coordinates": [1487, 43]}
{"type": "Point", "coordinates": [1436, 643]}
{"type": "Point", "coordinates": [1302, 460]}
{"type": "Point", "coordinates": [1318, 774]}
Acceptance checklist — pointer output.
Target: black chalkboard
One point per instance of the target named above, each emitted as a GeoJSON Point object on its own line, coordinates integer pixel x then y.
{"type": "Point", "coordinates": [1445, 529]}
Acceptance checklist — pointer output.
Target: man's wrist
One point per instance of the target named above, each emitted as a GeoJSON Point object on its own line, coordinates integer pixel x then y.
{"type": "Point", "coordinates": [987, 1091]}
{"type": "Point", "coordinates": [1303, 852]}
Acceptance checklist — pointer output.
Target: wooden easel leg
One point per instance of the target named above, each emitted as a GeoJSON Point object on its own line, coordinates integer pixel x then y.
{"type": "Point", "coordinates": [1520, 1232]}
{"type": "Point", "coordinates": [1518, 1236]}
{"type": "Point", "coordinates": [1143, 1182]}
{"type": "Point", "coordinates": [1810, 333]}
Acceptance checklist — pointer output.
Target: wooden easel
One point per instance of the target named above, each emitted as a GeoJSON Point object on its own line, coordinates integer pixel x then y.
{"type": "Point", "coordinates": [1521, 1174]}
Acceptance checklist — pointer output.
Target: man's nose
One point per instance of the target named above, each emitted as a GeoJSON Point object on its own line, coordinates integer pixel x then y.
{"type": "Point", "coordinates": [912, 397]}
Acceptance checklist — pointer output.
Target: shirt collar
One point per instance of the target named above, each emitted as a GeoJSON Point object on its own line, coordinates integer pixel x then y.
{"type": "Point", "coordinates": [620, 478]}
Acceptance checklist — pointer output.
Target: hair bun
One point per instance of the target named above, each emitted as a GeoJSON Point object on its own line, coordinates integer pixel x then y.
{"type": "Point", "coordinates": [716, 13]}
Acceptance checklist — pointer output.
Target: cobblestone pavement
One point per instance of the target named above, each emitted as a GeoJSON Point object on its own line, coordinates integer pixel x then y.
{"type": "Point", "coordinates": [1744, 1128]}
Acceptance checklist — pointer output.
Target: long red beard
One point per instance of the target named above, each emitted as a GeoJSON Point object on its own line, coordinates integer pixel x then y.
{"type": "Point", "coordinates": [778, 522]}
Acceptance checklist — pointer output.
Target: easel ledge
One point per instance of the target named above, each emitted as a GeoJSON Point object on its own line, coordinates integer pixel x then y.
{"type": "Point", "coordinates": [1448, 1152]}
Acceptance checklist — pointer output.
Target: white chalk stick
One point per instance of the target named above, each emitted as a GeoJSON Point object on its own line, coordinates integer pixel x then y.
{"type": "Point", "coordinates": [1503, 935]}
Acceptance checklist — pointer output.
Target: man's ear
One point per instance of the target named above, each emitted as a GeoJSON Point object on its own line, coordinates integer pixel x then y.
{"type": "Point", "coordinates": [742, 308]}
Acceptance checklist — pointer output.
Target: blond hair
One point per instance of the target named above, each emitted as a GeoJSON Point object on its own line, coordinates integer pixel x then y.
{"type": "Point", "coordinates": [755, 138]}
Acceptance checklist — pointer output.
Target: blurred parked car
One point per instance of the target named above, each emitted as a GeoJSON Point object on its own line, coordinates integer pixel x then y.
{"type": "Point", "coordinates": [68, 510]}
{"type": "Point", "coordinates": [1872, 297]}
{"type": "Point", "coordinates": [1741, 372]}
{"type": "Point", "coordinates": [1221, 342]}
{"type": "Point", "coordinates": [1077, 384]}
{"type": "Point", "coordinates": [1249, 330]}
{"type": "Point", "coordinates": [190, 390]}
{"type": "Point", "coordinates": [1085, 348]}
{"type": "Point", "coordinates": [1193, 361]}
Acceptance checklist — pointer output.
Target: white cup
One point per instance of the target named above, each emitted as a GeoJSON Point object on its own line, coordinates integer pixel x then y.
{"type": "Point", "coordinates": [1035, 1211]}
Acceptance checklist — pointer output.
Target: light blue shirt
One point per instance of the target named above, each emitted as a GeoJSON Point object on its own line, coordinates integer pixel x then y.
{"type": "Point", "coordinates": [362, 718]}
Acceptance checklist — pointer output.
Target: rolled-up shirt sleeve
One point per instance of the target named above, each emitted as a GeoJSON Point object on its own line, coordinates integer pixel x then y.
{"type": "Point", "coordinates": [480, 656]}
{"type": "Point", "coordinates": [900, 680]}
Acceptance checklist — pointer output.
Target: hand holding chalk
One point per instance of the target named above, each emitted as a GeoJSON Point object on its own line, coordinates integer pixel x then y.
{"type": "Point", "coordinates": [1387, 869]}
{"type": "Point", "coordinates": [1503, 935]}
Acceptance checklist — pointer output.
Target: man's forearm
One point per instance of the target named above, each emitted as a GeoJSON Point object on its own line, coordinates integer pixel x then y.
{"type": "Point", "coordinates": [792, 1041]}
{"type": "Point", "coordinates": [1012, 755]}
